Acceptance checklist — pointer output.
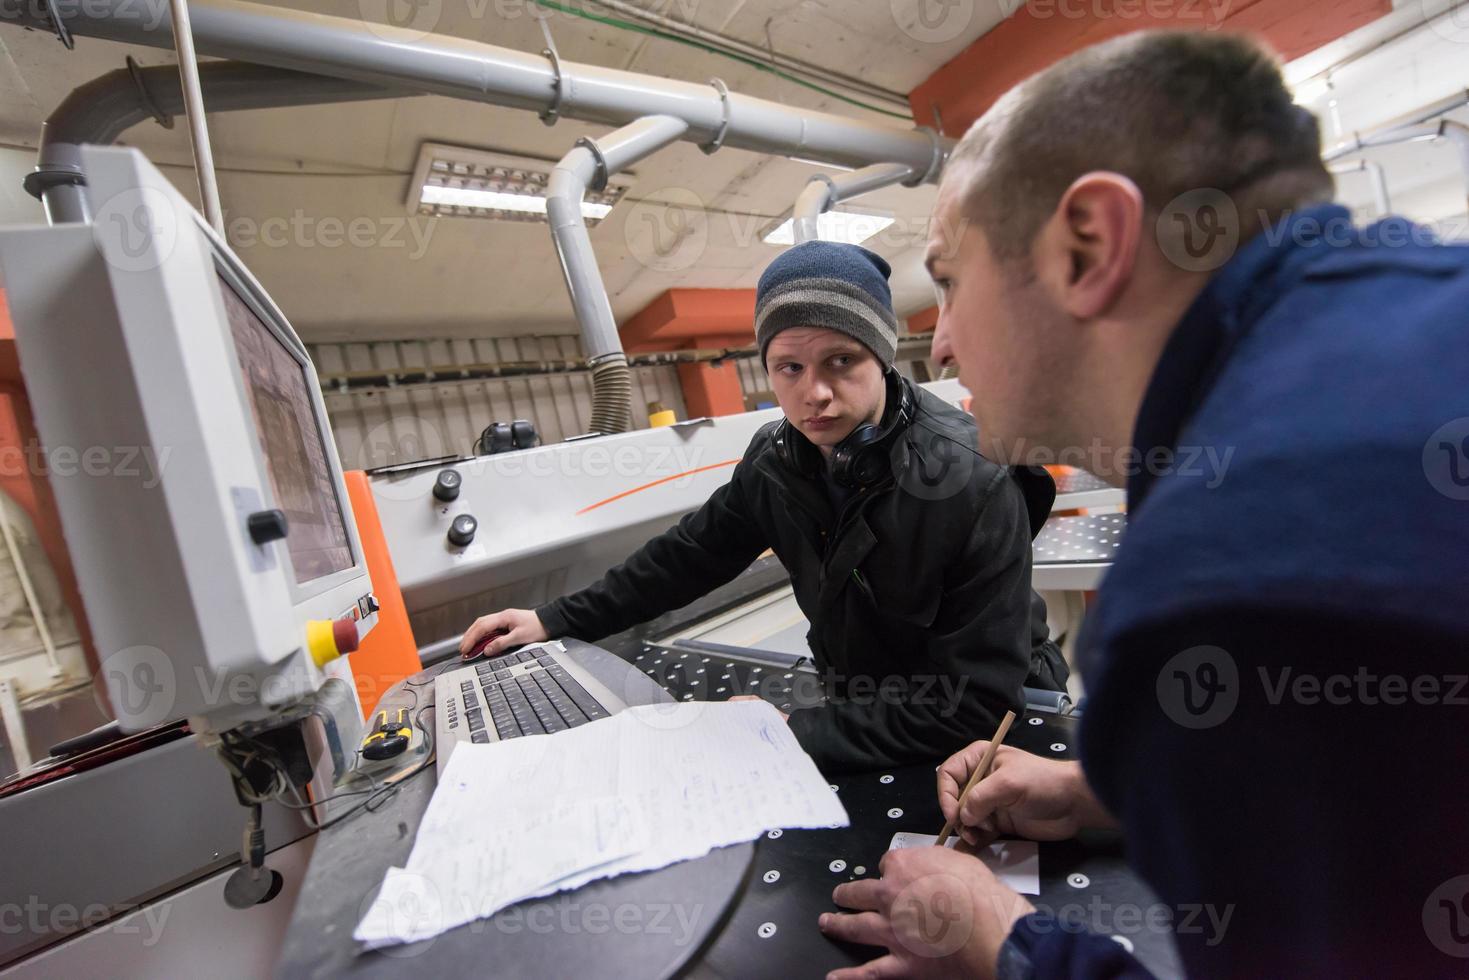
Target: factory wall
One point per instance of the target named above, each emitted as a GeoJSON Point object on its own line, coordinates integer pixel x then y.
{"type": "Point", "coordinates": [382, 426]}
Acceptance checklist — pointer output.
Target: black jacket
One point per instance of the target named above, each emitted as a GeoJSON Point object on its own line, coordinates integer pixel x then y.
{"type": "Point", "coordinates": [923, 618]}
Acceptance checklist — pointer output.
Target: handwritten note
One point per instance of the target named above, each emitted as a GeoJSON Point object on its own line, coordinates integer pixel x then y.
{"type": "Point", "coordinates": [647, 787]}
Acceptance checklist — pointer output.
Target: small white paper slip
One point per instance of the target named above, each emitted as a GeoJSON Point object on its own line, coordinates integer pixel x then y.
{"type": "Point", "coordinates": [1017, 863]}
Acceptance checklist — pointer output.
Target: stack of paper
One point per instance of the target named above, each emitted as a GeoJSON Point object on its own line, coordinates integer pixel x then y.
{"type": "Point", "coordinates": [643, 789]}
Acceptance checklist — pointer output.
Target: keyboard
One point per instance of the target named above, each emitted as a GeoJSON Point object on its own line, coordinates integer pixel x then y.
{"type": "Point", "coordinates": [537, 690]}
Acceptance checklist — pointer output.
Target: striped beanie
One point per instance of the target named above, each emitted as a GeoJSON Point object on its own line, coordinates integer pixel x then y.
{"type": "Point", "coordinates": [833, 285]}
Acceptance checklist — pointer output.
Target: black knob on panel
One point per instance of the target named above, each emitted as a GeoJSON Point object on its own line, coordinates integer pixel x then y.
{"type": "Point", "coordinates": [446, 487]}
{"type": "Point", "coordinates": [267, 526]}
{"type": "Point", "coordinates": [461, 532]}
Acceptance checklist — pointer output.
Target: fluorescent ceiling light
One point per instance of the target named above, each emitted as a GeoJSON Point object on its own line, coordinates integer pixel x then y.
{"type": "Point", "coordinates": [851, 227]}
{"type": "Point", "coordinates": [464, 182]}
{"type": "Point", "coordinates": [478, 198]}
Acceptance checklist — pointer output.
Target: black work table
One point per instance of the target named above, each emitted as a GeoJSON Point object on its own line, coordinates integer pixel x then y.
{"type": "Point", "coordinates": [744, 911]}
{"type": "Point", "coordinates": [773, 929]}
{"type": "Point", "coordinates": [725, 915]}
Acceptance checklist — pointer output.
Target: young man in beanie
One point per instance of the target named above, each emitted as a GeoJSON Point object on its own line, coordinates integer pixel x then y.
{"type": "Point", "coordinates": [908, 551]}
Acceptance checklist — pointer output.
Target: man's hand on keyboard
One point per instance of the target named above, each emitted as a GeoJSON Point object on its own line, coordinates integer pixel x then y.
{"type": "Point", "coordinates": [750, 697]}
{"type": "Point", "coordinates": [523, 627]}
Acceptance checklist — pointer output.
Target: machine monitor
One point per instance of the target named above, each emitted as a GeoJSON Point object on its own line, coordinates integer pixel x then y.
{"type": "Point", "coordinates": [292, 442]}
{"type": "Point", "coordinates": [221, 583]}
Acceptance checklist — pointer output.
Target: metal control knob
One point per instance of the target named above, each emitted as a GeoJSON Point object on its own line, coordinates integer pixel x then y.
{"type": "Point", "coordinates": [461, 532]}
{"type": "Point", "coordinates": [446, 487]}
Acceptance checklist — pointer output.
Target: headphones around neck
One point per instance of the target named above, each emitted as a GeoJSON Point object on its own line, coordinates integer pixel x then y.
{"type": "Point", "coordinates": [861, 459]}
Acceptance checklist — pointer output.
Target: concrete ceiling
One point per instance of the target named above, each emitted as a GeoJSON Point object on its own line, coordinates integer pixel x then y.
{"type": "Point", "coordinates": [291, 179]}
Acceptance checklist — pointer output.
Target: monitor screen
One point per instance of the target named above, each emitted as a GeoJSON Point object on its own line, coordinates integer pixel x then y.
{"type": "Point", "coordinates": [292, 443]}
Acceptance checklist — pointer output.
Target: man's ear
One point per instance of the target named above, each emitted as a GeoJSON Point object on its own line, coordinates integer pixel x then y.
{"type": "Point", "coordinates": [1087, 252]}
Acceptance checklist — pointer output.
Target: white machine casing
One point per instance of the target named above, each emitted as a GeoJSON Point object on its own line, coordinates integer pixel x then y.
{"type": "Point", "coordinates": [553, 519]}
{"type": "Point", "coordinates": [127, 353]}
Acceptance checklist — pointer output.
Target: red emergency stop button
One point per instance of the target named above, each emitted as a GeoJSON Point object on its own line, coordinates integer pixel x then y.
{"type": "Point", "coordinates": [328, 639]}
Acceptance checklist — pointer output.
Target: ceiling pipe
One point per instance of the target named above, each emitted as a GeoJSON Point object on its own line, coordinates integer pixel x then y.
{"type": "Point", "coordinates": [589, 164]}
{"type": "Point", "coordinates": [194, 118]}
{"type": "Point", "coordinates": [1369, 137]}
{"type": "Point", "coordinates": [823, 192]}
{"type": "Point", "coordinates": [99, 111]}
{"type": "Point", "coordinates": [461, 68]}
{"type": "Point", "coordinates": [1449, 129]}
{"type": "Point", "coordinates": [1380, 195]}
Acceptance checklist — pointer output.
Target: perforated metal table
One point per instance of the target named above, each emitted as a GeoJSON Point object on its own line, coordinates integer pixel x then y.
{"type": "Point", "coordinates": [1073, 553]}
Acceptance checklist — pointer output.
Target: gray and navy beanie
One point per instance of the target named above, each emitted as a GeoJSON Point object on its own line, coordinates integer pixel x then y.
{"type": "Point", "coordinates": [833, 285]}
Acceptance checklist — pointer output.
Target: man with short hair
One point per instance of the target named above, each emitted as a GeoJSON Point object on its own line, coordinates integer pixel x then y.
{"type": "Point", "coordinates": [907, 551]}
{"type": "Point", "coordinates": [1135, 255]}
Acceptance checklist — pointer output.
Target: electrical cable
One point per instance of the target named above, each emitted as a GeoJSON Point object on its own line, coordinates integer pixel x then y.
{"type": "Point", "coordinates": [239, 752]}
{"type": "Point", "coordinates": [628, 25]}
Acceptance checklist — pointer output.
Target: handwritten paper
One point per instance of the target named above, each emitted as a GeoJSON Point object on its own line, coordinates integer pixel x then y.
{"type": "Point", "coordinates": [1016, 863]}
{"type": "Point", "coordinates": [647, 787]}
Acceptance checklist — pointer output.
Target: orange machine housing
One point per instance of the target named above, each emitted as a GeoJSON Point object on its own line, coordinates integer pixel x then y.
{"type": "Point", "coordinates": [387, 654]}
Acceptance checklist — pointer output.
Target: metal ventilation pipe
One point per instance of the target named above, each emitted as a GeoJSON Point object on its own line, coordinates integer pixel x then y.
{"type": "Point", "coordinates": [822, 193]}
{"type": "Point", "coordinates": [102, 109]}
{"type": "Point", "coordinates": [589, 164]}
{"type": "Point", "coordinates": [460, 68]}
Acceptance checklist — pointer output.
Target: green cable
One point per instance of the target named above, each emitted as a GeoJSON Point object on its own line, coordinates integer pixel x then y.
{"type": "Point", "coordinates": [753, 63]}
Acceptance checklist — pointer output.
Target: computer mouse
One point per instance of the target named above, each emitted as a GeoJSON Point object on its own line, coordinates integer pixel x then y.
{"type": "Point", "coordinates": [478, 650]}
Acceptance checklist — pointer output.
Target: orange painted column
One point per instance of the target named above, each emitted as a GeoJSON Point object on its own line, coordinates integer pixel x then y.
{"type": "Point", "coordinates": [389, 653]}
{"type": "Point", "coordinates": [711, 390]}
{"type": "Point", "coordinates": [1042, 32]}
{"type": "Point", "coordinates": [23, 476]}
{"type": "Point", "coordinates": [698, 319]}
{"type": "Point", "coordinates": [924, 321]}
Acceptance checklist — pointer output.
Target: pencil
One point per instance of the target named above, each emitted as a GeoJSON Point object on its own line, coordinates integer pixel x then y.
{"type": "Point", "coordinates": [980, 771]}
